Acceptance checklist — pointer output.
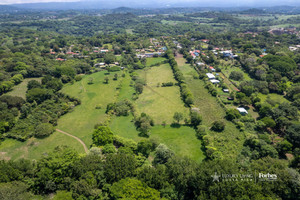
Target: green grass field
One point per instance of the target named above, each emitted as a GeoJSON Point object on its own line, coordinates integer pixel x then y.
{"type": "Point", "coordinates": [181, 140]}
{"type": "Point", "coordinates": [160, 102]}
{"type": "Point", "coordinates": [228, 69]}
{"type": "Point", "coordinates": [152, 61]}
{"type": "Point", "coordinates": [274, 98]}
{"type": "Point", "coordinates": [80, 122]}
{"type": "Point", "coordinates": [36, 148]}
{"type": "Point", "coordinates": [20, 90]}
{"type": "Point", "coordinates": [230, 141]}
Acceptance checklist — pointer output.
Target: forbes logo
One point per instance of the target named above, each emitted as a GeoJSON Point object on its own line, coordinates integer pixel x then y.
{"type": "Point", "coordinates": [268, 176]}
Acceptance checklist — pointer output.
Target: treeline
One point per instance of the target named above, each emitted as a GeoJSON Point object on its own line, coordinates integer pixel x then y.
{"type": "Point", "coordinates": [186, 94]}
{"type": "Point", "coordinates": [117, 168]}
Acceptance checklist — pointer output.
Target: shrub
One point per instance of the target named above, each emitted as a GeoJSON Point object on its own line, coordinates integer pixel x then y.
{"type": "Point", "coordinates": [102, 136]}
{"type": "Point", "coordinates": [232, 114]}
{"type": "Point", "coordinates": [78, 78]}
{"type": "Point", "coordinates": [218, 126]}
{"type": "Point", "coordinates": [43, 130]}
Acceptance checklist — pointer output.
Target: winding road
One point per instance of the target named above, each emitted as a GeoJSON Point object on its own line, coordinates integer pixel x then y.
{"type": "Point", "coordinates": [76, 138]}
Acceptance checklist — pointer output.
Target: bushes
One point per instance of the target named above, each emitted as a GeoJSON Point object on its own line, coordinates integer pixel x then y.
{"type": "Point", "coordinates": [237, 76]}
{"type": "Point", "coordinates": [143, 124]}
{"type": "Point", "coordinates": [196, 118]}
{"type": "Point", "coordinates": [39, 95]}
{"type": "Point", "coordinates": [218, 126]}
{"type": "Point", "coordinates": [232, 114]}
{"type": "Point", "coordinates": [168, 84]}
{"type": "Point", "coordinates": [43, 130]}
{"type": "Point", "coordinates": [102, 136]}
{"type": "Point", "coordinates": [121, 108]}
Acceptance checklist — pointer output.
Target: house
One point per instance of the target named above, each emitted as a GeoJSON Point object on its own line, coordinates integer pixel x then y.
{"type": "Point", "coordinates": [200, 63]}
{"type": "Point", "coordinates": [212, 69]}
{"type": "Point", "coordinates": [60, 59]}
{"type": "Point", "coordinates": [103, 50]}
{"type": "Point", "coordinates": [215, 81]}
{"type": "Point", "coordinates": [293, 48]}
{"type": "Point", "coordinates": [210, 76]}
{"type": "Point", "coordinates": [100, 64]}
{"type": "Point", "coordinates": [205, 40]}
{"type": "Point", "coordinates": [242, 110]}
{"type": "Point", "coordinates": [226, 90]}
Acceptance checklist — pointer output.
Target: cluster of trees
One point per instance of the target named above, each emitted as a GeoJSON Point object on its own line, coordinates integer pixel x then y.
{"type": "Point", "coordinates": [121, 108]}
{"type": "Point", "coordinates": [144, 124]}
{"type": "Point", "coordinates": [186, 94]}
{"type": "Point", "coordinates": [38, 115]}
{"type": "Point", "coordinates": [126, 173]}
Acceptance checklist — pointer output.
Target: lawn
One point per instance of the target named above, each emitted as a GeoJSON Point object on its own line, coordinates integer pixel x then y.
{"type": "Point", "coordinates": [20, 90]}
{"type": "Point", "coordinates": [228, 69]}
{"type": "Point", "coordinates": [35, 148]}
{"type": "Point", "coordinates": [181, 140]}
{"type": "Point", "coordinates": [152, 61]}
{"type": "Point", "coordinates": [230, 141]}
{"type": "Point", "coordinates": [272, 98]}
{"type": "Point", "coordinates": [80, 122]}
{"type": "Point", "coordinates": [160, 102]}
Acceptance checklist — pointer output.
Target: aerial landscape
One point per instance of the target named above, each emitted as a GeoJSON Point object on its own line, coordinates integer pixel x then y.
{"type": "Point", "coordinates": [171, 100]}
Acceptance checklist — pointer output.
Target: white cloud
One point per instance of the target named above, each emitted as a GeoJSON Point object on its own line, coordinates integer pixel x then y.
{"type": "Point", "coordinates": [32, 1]}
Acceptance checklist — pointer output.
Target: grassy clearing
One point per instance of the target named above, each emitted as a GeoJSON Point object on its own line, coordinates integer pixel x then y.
{"type": "Point", "coordinates": [228, 69]}
{"type": "Point", "coordinates": [181, 140]}
{"type": "Point", "coordinates": [274, 98]}
{"type": "Point", "coordinates": [36, 148]}
{"type": "Point", "coordinates": [80, 122]}
{"type": "Point", "coordinates": [152, 61]}
{"type": "Point", "coordinates": [230, 141]}
{"type": "Point", "coordinates": [160, 102]}
{"type": "Point", "coordinates": [124, 127]}
{"type": "Point", "coordinates": [20, 90]}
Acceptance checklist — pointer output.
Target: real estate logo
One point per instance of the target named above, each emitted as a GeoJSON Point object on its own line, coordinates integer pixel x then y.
{"type": "Point", "coordinates": [243, 177]}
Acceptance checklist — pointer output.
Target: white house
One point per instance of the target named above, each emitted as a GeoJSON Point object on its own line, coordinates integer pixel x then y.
{"type": "Point", "coordinates": [210, 76]}
{"type": "Point", "coordinates": [226, 90]}
{"type": "Point", "coordinates": [200, 63]}
{"type": "Point", "coordinates": [242, 110]}
{"type": "Point", "coordinates": [214, 81]}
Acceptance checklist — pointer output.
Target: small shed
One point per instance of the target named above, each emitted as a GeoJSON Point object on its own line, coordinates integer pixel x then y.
{"type": "Point", "coordinates": [226, 90]}
{"type": "Point", "coordinates": [242, 111]}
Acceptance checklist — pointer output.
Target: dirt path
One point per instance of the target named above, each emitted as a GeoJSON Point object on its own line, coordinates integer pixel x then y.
{"type": "Point", "coordinates": [76, 138]}
{"type": "Point", "coordinates": [83, 87]}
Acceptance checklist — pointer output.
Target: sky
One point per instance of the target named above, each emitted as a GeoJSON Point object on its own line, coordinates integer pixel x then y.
{"type": "Point", "coordinates": [174, 2]}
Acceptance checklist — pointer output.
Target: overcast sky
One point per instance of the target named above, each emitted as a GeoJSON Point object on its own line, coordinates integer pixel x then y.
{"type": "Point", "coordinates": [200, 2]}
{"type": "Point", "coordinates": [32, 1]}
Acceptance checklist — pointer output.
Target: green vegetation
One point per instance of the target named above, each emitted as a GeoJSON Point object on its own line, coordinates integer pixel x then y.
{"type": "Point", "coordinates": [160, 102]}
{"type": "Point", "coordinates": [20, 90]}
